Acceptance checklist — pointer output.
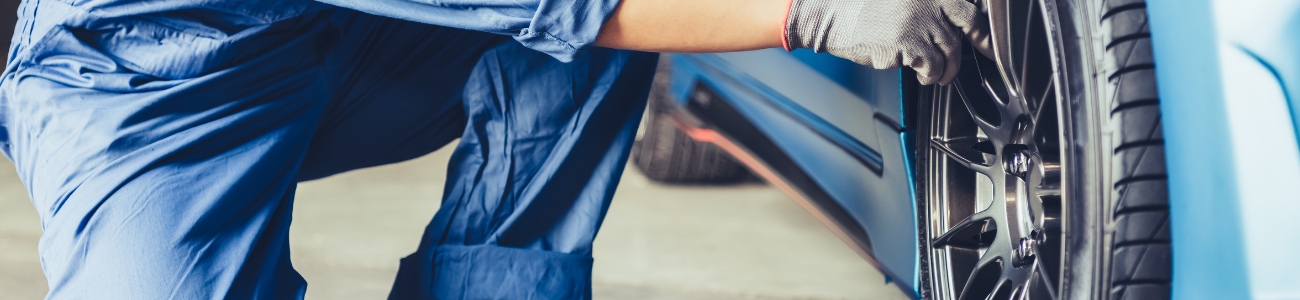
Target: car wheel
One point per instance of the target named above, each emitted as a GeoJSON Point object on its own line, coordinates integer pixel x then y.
{"type": "Point", "coordinates": [666, 154]}
{"type": "Point", "coordinates": [1041, 172]}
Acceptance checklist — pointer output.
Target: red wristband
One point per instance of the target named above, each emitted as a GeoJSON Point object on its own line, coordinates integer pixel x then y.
{"type": "Point", "coordinates": [785, 42]}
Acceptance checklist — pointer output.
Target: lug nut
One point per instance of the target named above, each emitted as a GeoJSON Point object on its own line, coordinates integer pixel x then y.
{"type": "Point", "coordinates": [1018, 163]}
{"type": "Point", "coordinates": [1027, 250]}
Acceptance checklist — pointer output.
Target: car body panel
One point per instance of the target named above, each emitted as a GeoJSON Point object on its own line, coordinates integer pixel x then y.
{"type": "Point", "coordinates": [880, 88]}
{"type": "Point", "coordinates": [1260, 60]}
{"type": "Point", "coordinates": [825, 130]}
{"type": "Point", "coordinates": [1227, 71]}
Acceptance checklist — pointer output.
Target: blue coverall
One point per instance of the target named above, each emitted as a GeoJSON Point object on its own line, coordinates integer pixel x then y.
{"type": "Point", "coordinates": [161, 140]}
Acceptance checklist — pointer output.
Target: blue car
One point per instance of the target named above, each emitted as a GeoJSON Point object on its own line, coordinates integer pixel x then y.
{"type": "Point", "coordinates": [1110, 149]}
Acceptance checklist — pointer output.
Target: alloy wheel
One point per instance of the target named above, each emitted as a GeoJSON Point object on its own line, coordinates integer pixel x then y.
{"type": "Point", "coordinates": [994, 202]}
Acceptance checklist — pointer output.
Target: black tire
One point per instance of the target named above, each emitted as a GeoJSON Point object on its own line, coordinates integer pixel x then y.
{"type": "Point", "coordinates": [1106, 206]}
{"type": "Point", "coordinates": [1140, 252]}
{"type": "Point", "coordinates": [7, 22]}
{"type": "Point", "coordinates": [666, 154]}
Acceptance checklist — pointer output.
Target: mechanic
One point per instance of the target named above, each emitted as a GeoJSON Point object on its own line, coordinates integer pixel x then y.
{"type": "Point", "coordinates": [161, 141]}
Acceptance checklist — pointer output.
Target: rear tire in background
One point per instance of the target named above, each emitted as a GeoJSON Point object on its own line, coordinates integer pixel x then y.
{"type": "Point", "coordinates": [7, 22]}
{"type": "Point", "coordinates": [1051, 186]}
{"type": "Point", "coordinates": [666, 154]}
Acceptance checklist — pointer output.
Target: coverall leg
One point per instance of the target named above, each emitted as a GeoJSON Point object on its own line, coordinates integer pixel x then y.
{"type": "Point", "coordinates": [170, 174]}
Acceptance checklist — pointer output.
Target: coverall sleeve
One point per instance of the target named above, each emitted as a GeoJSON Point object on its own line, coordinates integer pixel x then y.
{"type": "Point", "coordinates": [559, 28]}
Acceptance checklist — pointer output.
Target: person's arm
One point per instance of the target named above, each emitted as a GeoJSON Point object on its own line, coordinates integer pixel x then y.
{"type": "Point", "coordinates": [925, 35]}
{"type": "Point", "coordinates": [695, 25]}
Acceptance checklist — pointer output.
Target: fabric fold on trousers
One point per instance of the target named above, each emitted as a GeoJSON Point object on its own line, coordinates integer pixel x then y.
{"type": "Point", "coordinates": [161, 143]}
{"type": "Point", "coordinates": [494, 272]}
{"type": "Point", "coordinates": [534, 174]}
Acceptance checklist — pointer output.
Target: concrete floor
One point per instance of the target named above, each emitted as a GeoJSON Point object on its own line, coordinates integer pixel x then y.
{"type": "Point", "coordinates": [658, 242]}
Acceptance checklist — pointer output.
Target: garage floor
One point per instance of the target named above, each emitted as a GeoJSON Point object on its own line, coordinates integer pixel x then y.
{"type": "Point", "coordinates": [659, 242]}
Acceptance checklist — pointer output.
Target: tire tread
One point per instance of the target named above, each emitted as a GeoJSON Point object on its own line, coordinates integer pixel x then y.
{"type": "Point", "coordinates": [1140, 261]}
{"type": "Point", "coordinates": [666, 154]}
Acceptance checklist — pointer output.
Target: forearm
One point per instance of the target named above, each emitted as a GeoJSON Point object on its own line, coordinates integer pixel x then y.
{"type": "Point", "coordinates": [695, 25]}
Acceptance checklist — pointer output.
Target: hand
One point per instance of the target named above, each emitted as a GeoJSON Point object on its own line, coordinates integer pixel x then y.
{"type": "Point", "coordinates": [925, 35]}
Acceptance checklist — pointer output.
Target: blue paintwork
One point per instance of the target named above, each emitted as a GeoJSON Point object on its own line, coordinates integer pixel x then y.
{"type": "Point", "coordinates": [826, 127]}
{"type": "Point", "coordinates": [1278, 49]}
{"type": "Point", "coordinates": [1228, 73]}
{"type": "Point", "coordinates": [855, 144]}
{"type": "Point", "coordinates": [1203, 207]}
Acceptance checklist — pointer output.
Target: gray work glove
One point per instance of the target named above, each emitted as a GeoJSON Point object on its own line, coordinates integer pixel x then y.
{"type": "Point", "coordinates": [925, 35]}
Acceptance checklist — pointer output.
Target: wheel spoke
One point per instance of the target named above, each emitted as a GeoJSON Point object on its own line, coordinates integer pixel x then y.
{"type": "Point", "coordinates": [1002, 284]}
{"type": "Point", "coordinates": [967, 233]}
{"type": "Point", "coordinates": [1024, 51]}
{"type": "Point", "coordinates": [963, 160]}
{"type": "Point", "coordinates": [1021, 292]}
{"type": "Point", "coordinates": [970, 108]}
{"type": "Point", "coordinates": [984, 280]}
{"type": "Point", "coordinates": [1045, 278]}
{"type": "Point", "coordinates": [1047, 91]}
{"type": "Point", "coordinates": [999, 31]}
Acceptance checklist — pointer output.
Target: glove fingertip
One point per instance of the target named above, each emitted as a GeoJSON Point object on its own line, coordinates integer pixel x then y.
{"type": "Point", "coordinates": [961, 13]}
{"type": "Point", "coordinates": [927, 76]}
{"type": "Point", "coordinates": [924, 80]}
